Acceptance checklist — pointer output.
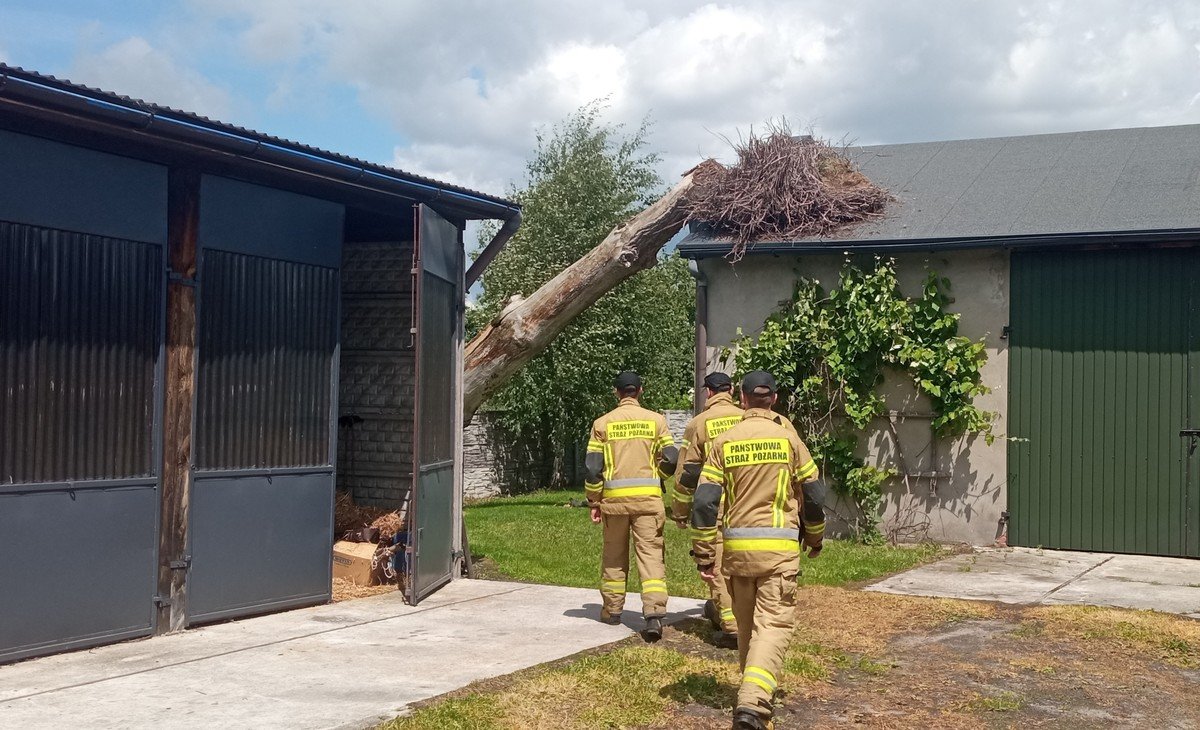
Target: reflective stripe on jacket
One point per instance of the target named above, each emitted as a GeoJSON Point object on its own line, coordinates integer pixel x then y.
{"type": "Point", "coordinates": [760, 466]}
{"type": "Point", "coordinates": [719, 415]}
{"type": "Point", "coordinates": [631, 439]}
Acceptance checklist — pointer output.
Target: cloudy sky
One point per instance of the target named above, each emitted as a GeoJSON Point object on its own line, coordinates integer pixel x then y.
{"type": "Point", "coordinates": [457, 89]}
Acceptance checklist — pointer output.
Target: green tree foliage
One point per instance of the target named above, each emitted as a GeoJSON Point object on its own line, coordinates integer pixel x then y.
{"type": "Point", "coordinates": [584, 178]}
{"type": "Point", "coordinates": [828, 352]}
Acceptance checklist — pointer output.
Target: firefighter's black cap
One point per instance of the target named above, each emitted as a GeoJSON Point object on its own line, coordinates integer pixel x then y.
{"type": "Point", "coordinates": [759, 382]}
{"type": "Point", "coordinates": [627, 379]}
{"type": "Point", "coordinates": [718, 381]}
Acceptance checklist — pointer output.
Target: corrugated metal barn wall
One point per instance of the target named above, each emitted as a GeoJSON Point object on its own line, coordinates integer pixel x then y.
{"type": "Point", "coordinates": [81, 319]}
{"type": "Point", "coordinates": [268, 332]}
{"type": "Point", "coordinates": [1102, 347]}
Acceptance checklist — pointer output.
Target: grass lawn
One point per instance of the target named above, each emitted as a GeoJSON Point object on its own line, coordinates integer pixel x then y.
{"type": "Point", "coordinates": [540, 538]}
{"type": "Point", "coordinates": [857, 657]}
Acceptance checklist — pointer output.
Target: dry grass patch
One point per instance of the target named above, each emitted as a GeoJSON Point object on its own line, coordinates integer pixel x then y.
{"type": "Point", "coordinates": [864, 622]}
{"type": "Point", "coordinates": [629, 687]}
{"type": "Point", "coordinates": [1164, 636]}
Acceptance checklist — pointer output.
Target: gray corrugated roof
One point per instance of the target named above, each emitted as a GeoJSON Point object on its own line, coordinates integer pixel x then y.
{"type": "Point", "coordinates": [1080, 182]}
{"type": "Point", "coordinates": [200, 121]}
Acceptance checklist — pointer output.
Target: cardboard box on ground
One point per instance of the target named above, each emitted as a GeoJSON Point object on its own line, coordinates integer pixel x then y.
{"type": "Point", "coordinates": [356, 562]}
{"type": "Point", "coordinates": [363, 555]}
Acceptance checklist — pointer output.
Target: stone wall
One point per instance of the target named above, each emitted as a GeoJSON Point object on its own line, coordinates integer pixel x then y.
{"type": "Point", "coordinates": [493, 465]}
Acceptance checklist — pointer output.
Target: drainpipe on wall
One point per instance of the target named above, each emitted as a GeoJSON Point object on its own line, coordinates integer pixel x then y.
{"type": "Point", "coordinates": [701, 332]}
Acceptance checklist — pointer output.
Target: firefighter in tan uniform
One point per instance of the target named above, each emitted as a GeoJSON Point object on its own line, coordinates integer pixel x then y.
{"type": "Point", "coordinates": [719, 415]}
{"type": "Point", "coordinates": [753, 483]}
{"type": "Point", "coordinates": [629, 455]}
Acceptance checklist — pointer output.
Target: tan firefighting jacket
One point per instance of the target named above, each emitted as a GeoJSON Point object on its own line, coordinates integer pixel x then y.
{"type": "Point", "coordinates": [750, 488]}
{"type": "Point", "coordinates": [632, 440]}
{"type": "Point", "coordinates": [719, 415]}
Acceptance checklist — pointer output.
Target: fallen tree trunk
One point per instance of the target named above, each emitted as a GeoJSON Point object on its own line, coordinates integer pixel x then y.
{"type": "Point", "coordinates": [526, 327]}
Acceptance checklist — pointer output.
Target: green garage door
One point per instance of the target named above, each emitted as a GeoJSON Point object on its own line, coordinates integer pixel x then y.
{"type": "Point", "coordinates": [1104, 388]}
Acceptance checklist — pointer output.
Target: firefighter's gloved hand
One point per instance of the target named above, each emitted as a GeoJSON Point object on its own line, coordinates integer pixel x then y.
{"type": "Point", "coordinates": [596, 515]}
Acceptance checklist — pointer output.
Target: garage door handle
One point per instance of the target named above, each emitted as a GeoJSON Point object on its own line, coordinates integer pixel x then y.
{"type": "Point", "coordinates": [1192, 434]}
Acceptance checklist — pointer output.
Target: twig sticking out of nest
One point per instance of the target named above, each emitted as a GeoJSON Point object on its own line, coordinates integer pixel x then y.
{"type": "Point", "coordinates": [783, 188]}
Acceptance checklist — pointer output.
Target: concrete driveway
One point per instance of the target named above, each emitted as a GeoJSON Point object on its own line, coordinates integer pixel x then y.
{"type": "Point", "coordinates": [345, 665]}
{"type": "Point", "coordinates": [1032, 576]}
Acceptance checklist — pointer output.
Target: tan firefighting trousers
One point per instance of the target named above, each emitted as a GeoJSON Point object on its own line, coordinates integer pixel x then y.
{"type": "Point", "coordinates": [718, 591]}
{"type": "Point", "coordinates": [614, 567]}
{"type": "Point", "coordinates": [765, 609]}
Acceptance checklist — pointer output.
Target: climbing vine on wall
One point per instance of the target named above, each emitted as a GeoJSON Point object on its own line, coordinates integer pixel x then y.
{"type": "Point", "coordinates": [829, 351]}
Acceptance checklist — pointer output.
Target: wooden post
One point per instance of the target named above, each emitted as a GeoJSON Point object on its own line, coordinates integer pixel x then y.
{"type": "Point", "coordinates": [183, 224]}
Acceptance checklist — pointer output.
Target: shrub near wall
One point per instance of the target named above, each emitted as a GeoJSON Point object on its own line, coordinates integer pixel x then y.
{"type": "Point", "coordinates": [829, 351]}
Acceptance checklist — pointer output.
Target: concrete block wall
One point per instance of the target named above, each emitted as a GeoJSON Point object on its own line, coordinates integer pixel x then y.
{"type": "Point", "coordinates": [375, 455]}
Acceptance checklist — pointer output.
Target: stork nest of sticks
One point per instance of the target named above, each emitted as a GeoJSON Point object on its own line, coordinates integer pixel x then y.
{"type": "Point", "coordinates": [782, 188]}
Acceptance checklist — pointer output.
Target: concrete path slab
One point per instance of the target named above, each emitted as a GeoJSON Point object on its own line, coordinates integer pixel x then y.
{"type": "Point", "coordinates": [1033, 576]}
{"type": "Point", "coordinates": [345, 665]}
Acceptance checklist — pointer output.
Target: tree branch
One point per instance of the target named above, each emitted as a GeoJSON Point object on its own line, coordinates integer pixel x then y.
{"type": "Point", "coordinates": [525, 327]}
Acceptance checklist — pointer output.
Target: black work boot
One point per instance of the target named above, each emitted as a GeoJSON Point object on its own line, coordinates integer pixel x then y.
{"type": "Point", "coordinates": [713, 614]}
{"type": "Point", "coordinates": [653, 630]}
{"type": "Point", "coordinates": [750, 720]}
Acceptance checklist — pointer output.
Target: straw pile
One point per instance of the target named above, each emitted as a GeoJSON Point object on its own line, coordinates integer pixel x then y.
{"type": "Point", "coordinates": [348, 516]}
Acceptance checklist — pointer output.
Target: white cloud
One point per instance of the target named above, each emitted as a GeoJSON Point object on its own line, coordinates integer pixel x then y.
{"type": "Point", "coordinates": [466, 84]}
{"type": "Point", "coordinates": [134, 67]}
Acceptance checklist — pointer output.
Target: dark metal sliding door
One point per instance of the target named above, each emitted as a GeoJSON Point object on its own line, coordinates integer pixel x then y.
{"type": "Point", "coordinates": [81, 320]}
{"type": "Point", "coordinates": [261, 513]}
{"type": "Point", "coordinates": [439, 296]}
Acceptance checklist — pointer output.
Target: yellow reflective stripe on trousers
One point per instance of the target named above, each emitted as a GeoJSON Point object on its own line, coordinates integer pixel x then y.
{"type": "Point", "coordinates": [613, 586]}
{"type": "Point", "coordinates": [747, 544]}
{"type": "Point", "coordinates": [654, 585]}
{"type": "Point", "coordinates": [804, 471]}
{"type": "Point", "coordinates": [726, 614]}
{"type": "Point", "coordinates": [761, 677]}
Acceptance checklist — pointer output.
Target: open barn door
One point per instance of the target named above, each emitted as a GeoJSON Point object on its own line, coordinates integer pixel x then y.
{"type": "Point", "coordinates": [439, 298]}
